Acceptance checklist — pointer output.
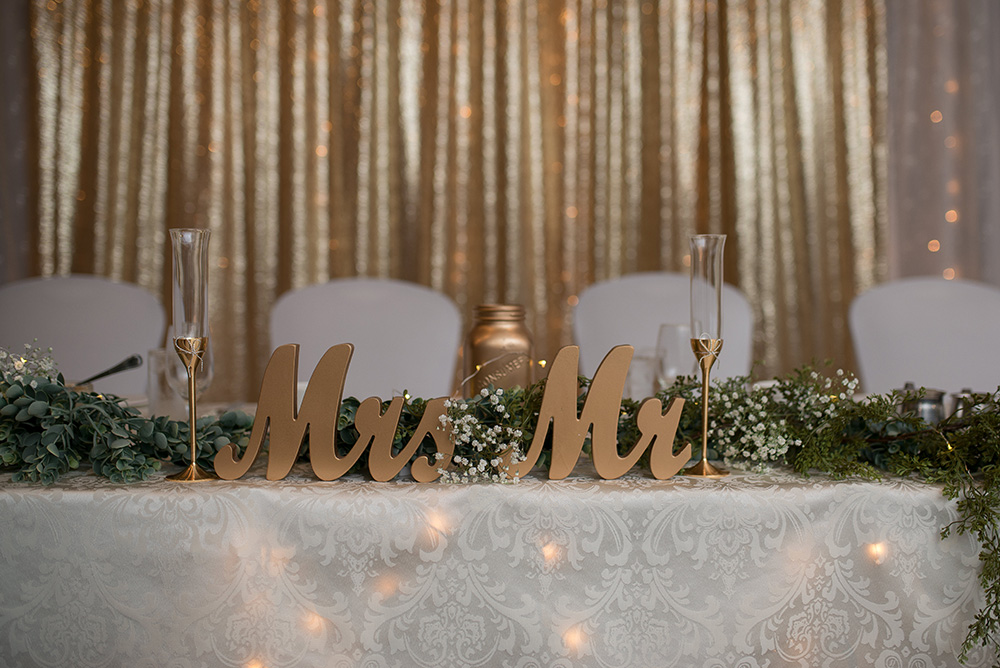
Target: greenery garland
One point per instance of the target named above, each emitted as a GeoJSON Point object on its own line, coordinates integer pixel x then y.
{"type": "Point", "coordinates": [806, 420]}
{"type": "Point", "coordinates": [48, 429]}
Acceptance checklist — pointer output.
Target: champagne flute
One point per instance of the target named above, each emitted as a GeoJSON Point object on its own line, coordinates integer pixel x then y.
{"type": "Point", "coordinates": [190, 326]}
{"type": "Point", "coordinates": [706, 328]}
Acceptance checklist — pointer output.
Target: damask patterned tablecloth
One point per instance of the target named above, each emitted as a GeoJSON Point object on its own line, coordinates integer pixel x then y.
{"type": "Point", "coordinates": [752, 571]}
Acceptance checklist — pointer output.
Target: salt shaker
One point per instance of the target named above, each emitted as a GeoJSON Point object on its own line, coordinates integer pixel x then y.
{"type": "Point", "coordinates": [963, 402]}
{"type": "Point", "coordinates": [929, 408]}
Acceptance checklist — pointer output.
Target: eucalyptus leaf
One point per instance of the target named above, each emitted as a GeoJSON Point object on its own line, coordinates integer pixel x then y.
{"type": "Point", "coordinates": [38, 409]}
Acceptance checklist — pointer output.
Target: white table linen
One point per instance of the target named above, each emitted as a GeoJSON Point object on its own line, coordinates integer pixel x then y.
{"type": "Point", "coordinates": [752, 571]}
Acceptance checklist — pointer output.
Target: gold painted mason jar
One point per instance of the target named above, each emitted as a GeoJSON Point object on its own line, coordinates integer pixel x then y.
{"type": "Point", "coordinates": [498, 349]}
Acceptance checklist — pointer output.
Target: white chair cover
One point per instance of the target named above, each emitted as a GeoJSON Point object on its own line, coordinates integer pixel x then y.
{"type": "Point", "coordinates": [934, 333]}
{"type": "Point", "coordinates": [90, 322]}
{"type": "Point", "coordinates": [406, 336]}
{"type": "Point", "coordinates": [630, 310]}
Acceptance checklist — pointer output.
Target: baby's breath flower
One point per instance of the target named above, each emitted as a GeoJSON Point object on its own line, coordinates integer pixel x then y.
{"type": "Point", "coordinates": [748, 426]}
{"type": "Point", "coordinates": [34, 363]}
{"type": "Point", "coordinates": [483, 440]}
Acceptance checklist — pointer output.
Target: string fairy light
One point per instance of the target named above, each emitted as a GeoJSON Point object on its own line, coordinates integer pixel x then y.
{"type": "Point", "coordinates": [550, 552]}
{"type": "Point", "coordinates": [877, 552]}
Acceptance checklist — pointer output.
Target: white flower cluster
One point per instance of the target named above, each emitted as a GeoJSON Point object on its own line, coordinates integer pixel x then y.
{"type": "Point", "coordinates": [31, 365]}
{"type": "Point", "coordinates": [751, 427]}
{"type": "Point", "coordinates": [745, 432]}
{"type": "Point", "coordinates": [486, 444]}
{"type": "Point", "coordinates": [815, 397]}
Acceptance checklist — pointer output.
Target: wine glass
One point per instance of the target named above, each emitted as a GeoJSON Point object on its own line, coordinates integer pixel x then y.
{"type": "Point", "coordinates": [673, 356]}
{"type": "Point", "coordinates": [162, 397]}
{"type": "Point", "coordinates": [643, 374]}
{"type": "Point", "coordinates": [190, 326]}
{"type": "Point", "coordinates": [706, 328]}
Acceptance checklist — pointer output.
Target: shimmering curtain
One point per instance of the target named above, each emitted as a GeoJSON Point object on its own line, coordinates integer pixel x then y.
{"type": "Point", "coordinates": [506, 150]}
{"type": "Point", "coordinates": [944, 204]}
{"type": "Point", "coordinates": [17, 199]}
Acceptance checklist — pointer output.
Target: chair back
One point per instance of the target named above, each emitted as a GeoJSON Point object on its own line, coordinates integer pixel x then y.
{"type": "Point", "coordinates": [90, 322]}
{"type": "Point", "coordinates": [630, 310]}
{"type": "Point", "coordinates": [932, 332]}
{"type": "Point", "coordinates": [406, 336]}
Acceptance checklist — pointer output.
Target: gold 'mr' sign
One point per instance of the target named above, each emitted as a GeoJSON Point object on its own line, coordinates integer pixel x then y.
{"type": "Point", "coordinates": [277, 414]}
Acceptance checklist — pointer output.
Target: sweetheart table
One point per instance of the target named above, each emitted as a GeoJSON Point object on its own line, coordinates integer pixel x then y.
{"type": "Point", "coordinates": [752, 571]}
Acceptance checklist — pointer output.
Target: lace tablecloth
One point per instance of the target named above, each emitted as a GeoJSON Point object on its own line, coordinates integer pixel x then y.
{"type": "Point", "coordinates": [752, 571]}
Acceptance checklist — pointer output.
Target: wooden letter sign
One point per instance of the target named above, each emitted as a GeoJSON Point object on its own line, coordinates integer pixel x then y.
{"type": "Point", "coordinates": [600, 417]}
{"type": "Point", "coordinates": [320, 409]}
{"type": "Point", "coordinates": [277, 415]}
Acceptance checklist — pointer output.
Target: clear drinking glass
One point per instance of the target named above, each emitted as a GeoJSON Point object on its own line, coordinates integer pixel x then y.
{"type": "Point", "coordinates": [641, 380]}
{"type": "Point", "coordinates": [706, 285]}
{"type": "Point", "coordinates": [190, 325]}
{"type": "Point", "coordinates": [190, 282]}
{"type": "Point", "coordinates": [673, 354]}
{"type": "Point", "coordinates": [163, 398]}
{"type": "Point", "coordinates": [706, 328]}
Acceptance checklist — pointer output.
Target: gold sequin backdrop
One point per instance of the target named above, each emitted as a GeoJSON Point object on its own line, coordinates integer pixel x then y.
{"type": "Point", "coordinates": [504, 150]}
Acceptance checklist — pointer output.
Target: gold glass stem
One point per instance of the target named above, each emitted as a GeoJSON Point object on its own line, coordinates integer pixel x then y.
{"type": "Point", "coordinates": [193, 412]}
{"type": "Point", "coordinates": [706, 351]}
{"type": "Point", "coordinates": [705, 371]}
{"type": "Point", "coordinates": [191, 349]}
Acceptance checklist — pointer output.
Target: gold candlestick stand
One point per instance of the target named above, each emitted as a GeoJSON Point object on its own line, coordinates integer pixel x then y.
{"type": "Point", "coordinates": [706, 351]}
{"type": "Point", "coordinates": [191, 349]}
